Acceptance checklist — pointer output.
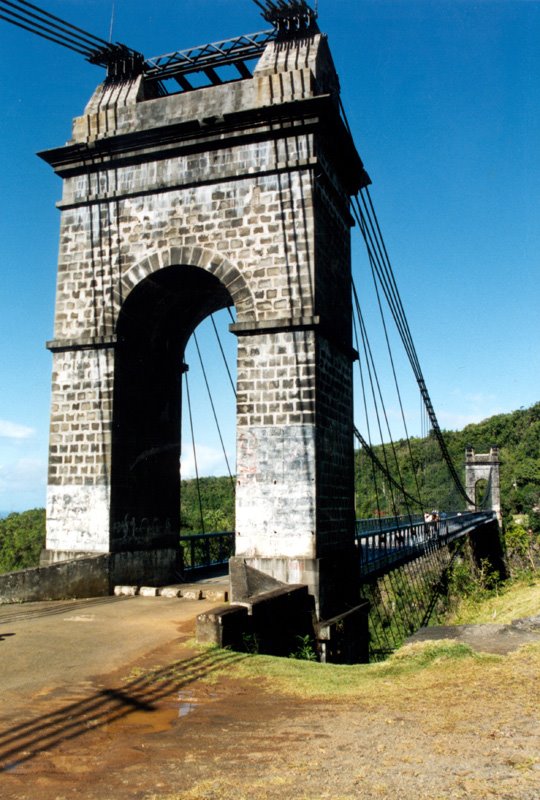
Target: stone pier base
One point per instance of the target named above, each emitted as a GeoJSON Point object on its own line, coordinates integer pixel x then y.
{"type": "Point", "coordinates": [270, 617]}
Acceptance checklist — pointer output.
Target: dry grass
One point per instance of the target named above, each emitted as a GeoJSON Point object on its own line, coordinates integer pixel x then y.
{"type": "Point", "coordinates": [515, 601]}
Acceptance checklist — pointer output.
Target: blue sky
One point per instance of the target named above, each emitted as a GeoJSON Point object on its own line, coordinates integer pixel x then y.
{"type": "Point", "coordinates": [443, 100]}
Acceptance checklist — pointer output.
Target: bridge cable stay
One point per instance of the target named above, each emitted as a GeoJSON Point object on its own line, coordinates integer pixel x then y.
{"type": "Point", "coordinates": [214, 412]}
{"type": "Point", "coordinates": [374, 380]}
{"type": "Point", "coordinates": [396, 384]}
{"type": "Point", "coordinates": [373, 456]}
{"type": "Point", "coordinates": [124, 63]}
{"type": "Point", "coordinates": [223, 352]}
{"type": "Point", "coordinates": [386, 277]}
{"type": "Point", "coordinates": [390, 287]}
{"type": "Point", "coordinates": [370, 229]}
{"type": "Point", "coordinates": [194, 452]}
{"type": "Point", "coordinates": [406, 495]}
{"type": "Point", "coordinates": [213, 406]}
{"type": "Point", "coordinates": [373, 249]}
{"type": "Point", "coordinates": [40, 22]}
{"type": "Point", "coordinates": [368, 426]}
{"type": "Point", "coordinates": [378, 467]}
{"type": "Point", "coordinates": [484, 503]}
{"type": "Point", "coordinates": [370, 366]}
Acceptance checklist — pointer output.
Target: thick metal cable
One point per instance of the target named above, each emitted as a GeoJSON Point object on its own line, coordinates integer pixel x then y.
{"type": "Point", "coordinates": [370, 228]}
{"type": "Point", "coordinates": [213, 409]}
{"type": "Point", "coordinates": [371, 453]}
{"type": "Point", "coordinates": [51, 27]}
{"type": "Point", "coordinates": [370, 363]}
{"type": "Point", "coordinates": [223, 352]}
{"type": "Point", "coordinates": [368, 426]}
{"type": "Point", "coordinates": [396, 384]}
{"type": "Point", "coordinates": [394, 300]}
{"type": "Point", "coordinates": [486, 497]}
{"type": "Point", "coordinates": [194, 452]}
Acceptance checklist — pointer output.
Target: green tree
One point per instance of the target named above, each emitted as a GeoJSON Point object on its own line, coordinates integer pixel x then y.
{"type": "Point", "coordinates": [22, 537]}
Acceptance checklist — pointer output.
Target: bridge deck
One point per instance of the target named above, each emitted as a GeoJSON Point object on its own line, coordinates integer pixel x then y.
{"type": "Point", "coordinates": [383, 544]}
{"type": "Point", "coordinates": [385, 547]}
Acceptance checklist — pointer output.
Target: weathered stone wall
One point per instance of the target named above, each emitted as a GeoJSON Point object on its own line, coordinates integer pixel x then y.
{"type": "Point", "coordinates": [93, 576]}
{"type": "Point", "coordinates": [78, 496]}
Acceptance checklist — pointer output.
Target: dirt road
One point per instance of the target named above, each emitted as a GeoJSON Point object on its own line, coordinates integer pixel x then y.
{"type": "Point", "coordinates": [150, 716]}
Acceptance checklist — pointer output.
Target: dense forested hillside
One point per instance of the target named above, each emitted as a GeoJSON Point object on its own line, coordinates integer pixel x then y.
{"type": "Point", "coordinates": [518, 437]}
{"type": "Point", "coordinates": [214, 497]}
{"type": "Point", "coordinates": [517, 434]}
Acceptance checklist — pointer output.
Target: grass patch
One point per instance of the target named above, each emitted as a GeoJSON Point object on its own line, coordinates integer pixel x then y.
{"type": "Point", "coordinates": [514, 600]}
{"type": "Point", "coordinates": [432, 665]}
{"type": "Point", "coordinates": [414, 664]}
{"type": "Point", "coordinates": [313, 680]}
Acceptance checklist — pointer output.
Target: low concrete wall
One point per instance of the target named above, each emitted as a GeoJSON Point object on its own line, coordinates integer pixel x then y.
{"type": "Point", "coordinates": [84, 577]}
{"type": "Point", "coordinates": [91, 576]}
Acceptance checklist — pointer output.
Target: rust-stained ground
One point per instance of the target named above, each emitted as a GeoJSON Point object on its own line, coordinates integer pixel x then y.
{"type": "Point", "coordinates": [178, 722]}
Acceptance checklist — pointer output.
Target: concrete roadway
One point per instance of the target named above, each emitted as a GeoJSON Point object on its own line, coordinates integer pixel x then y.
{"type": "Point", "coordinates": [49, 645]}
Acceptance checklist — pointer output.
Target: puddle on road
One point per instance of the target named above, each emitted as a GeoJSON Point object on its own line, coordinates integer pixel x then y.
{"type": "Point", "coordinates": [187, 704]}
{"type": "Point", "coordinates": [158, 720]}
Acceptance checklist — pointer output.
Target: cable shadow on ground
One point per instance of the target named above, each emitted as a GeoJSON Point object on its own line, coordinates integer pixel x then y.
{"type": "Point", "coordinates": [25, 741]}
{"type": "Point", "coordinates": [15, 613]}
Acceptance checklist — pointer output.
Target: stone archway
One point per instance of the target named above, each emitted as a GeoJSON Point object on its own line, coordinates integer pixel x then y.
{"type": "Point", "coordinates": [155, 322]}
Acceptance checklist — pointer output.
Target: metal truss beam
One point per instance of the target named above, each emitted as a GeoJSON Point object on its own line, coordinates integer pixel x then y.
{"type": "Point", "coordinates": [207, 57]}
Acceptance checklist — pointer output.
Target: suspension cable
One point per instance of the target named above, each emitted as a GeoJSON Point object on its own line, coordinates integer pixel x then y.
{"type": "Point", "coordinates": [394, 300]}
{"type": "Point", "coordinates": [370, 364]}
{"type": "Point", "coordinates": [370, 229]}
{"type": "Point", "coordinates": [373, 456]}
{"type": "Point", "coordinates": [194, 452]}
{"type": "Point", "coordinates": [223, 352]}
{"type": "Point", "coordinates": [368, 426]}
{"type": "Point", "coordinates": [42, 23]}
{"type": "Point", "coordinates": [213, 408]}
{"type": "Point", "coordinates": [396, 384]}
{"type": "Point", "coordinates": [483, 504]}
{"type": "Point", "coordinates": [384, 468]}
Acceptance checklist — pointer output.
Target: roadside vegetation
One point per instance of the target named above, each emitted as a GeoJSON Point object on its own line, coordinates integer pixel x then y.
{"type": "Point", "coordinates": [414, 666]}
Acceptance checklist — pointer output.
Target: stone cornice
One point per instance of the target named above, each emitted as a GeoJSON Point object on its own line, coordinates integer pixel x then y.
{"type": "Point", "coordinates": [84, 343]}
{"type": "Point", "coordinates": [311, 115]}
{"type": "Point", "coordinates": [292, 324]}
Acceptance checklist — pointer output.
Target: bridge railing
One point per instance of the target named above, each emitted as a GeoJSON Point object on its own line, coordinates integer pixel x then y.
{"type": "Point", "coordinates": [387, 545]}
{"type": "Point", "coordinates": [380, 542]}
{"type": "Point", "coordinates": [371, 524]}
{"type": "Point", "coordinates": [206, 550]}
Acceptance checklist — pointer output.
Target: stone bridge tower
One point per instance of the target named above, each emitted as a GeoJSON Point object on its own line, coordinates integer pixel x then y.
{"type": "Point", "coordinates": [484, 467]}
{"type": "Point", "coordinates": [174, 207]}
